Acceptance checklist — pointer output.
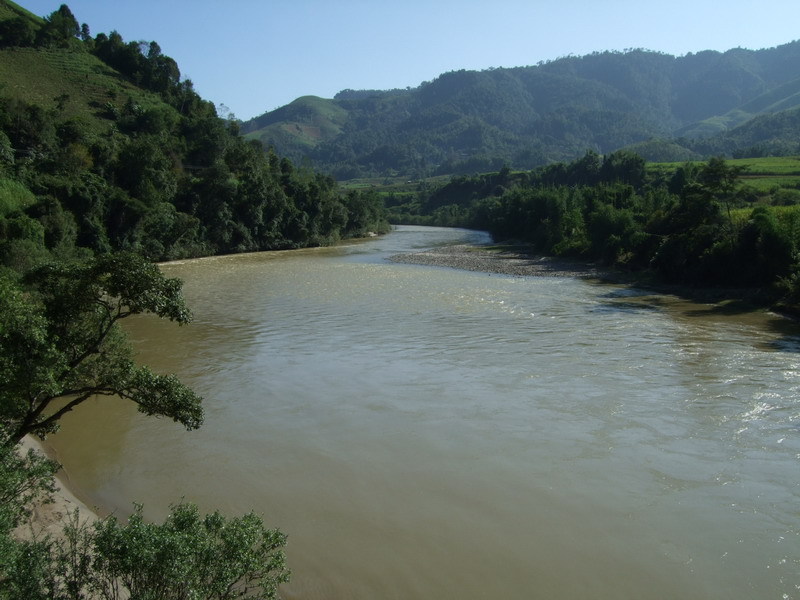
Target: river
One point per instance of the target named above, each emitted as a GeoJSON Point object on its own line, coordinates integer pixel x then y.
{"type": "Point", "coordinates": [424, 432]}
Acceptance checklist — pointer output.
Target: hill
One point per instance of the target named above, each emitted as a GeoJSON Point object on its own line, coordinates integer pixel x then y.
{"type": "Point", "coordinates": [305, 123]}
{"type": "Point", "coordinates": [104, 146]}
{"type": "Point", "coordinates": [78, 84]}
{"type": "Point", "coordinates": [468, 121]}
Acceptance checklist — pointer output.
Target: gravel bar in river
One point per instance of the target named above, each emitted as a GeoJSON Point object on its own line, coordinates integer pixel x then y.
{"type": "Point", "coordinates": [505, 262]}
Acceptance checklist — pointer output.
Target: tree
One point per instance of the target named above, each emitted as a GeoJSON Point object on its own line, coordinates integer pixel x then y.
{"type": "Point", "coordinates": [18, 31]}
{"type": "Point", "coordinates": [188, 556]}
{"type": "Point", "coordinates": [59, 28]}
{"type": "Point", "coordinates": [624, 166]}
{"type": "Point", "coordinates": [718, 180]}
{"type": "Point", "coordinates": [208, 557]}
{"type": "Point", "coordinates": [24, 479]}
{"type": "Point", "coordinates": [60, 342]}
{"type": "Point", "coordinates": [719, 177]}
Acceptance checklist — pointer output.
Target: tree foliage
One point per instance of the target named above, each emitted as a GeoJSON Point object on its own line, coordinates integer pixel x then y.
{"type": "Point", "coordinates": [156, 171]}
{"type": "Point", "coordinates": [189, 555]}
{"type": "Point", "coordinates": [697, 226]}
{"type": "Point", "coordinates": [87, 199]}
{"type": "Point", "coordinates": [61, 343]}
{"type": "Point", "coordinates": [59, 29]}
{"type": "Point", "coordinates": [25, 478]}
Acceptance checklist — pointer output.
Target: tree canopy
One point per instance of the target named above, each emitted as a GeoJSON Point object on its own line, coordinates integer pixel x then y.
{"type": "Point", "coordinates": [118, 152]}
{"type": "Point", "coordinates": [697, 224]}
{"type": "Point", "coordinates": [61, 342]}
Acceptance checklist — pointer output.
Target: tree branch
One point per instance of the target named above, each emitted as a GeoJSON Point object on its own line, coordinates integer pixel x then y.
{"type": "Point", "coordinates": [30, 424]}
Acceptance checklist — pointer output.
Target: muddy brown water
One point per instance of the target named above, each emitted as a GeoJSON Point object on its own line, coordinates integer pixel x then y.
{"type": "Point", "coordinates": [424, 432]}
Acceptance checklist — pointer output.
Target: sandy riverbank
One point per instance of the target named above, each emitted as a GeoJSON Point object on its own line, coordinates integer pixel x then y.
{"type": "Point", "coordinates": [49, 518]}
{"type": "Point", "coordinates": [505, 262]}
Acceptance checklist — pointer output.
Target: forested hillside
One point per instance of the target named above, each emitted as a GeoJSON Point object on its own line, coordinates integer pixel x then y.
{"type": "Point", "coordinates": [104, 146]}
{"type": "Point", "coordinates": [667, 107]}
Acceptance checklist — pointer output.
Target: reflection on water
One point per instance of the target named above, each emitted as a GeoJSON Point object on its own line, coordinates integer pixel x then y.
{"type": "Point", "coordinates": [431, 433]}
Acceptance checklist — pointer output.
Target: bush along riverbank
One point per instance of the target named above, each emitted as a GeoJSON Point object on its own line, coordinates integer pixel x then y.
{"type": "Point", "coordinates": [698, 227]}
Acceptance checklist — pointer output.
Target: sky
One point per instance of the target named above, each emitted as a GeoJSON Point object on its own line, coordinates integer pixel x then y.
{"type": "Point", "coordinates": [253, 56]}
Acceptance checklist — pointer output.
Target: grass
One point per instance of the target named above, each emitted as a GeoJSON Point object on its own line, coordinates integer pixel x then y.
{"type": "Point", "coordinates": [40, 76]}
{"type": "Point", "coordinates": [304, 124]}
{"type": "Point", "coordinates": [767, 184]}
{"type": "Point", "coordinates": [765, 175]}
{"type": "Point", "coordinates": [11, 10]}
{"type": "Point", "coordinates": [769, 166]}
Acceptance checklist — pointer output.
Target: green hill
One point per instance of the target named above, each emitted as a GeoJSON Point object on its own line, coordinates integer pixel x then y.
{"type": "Point", "coordinates": [784, 97]}
{"type": "Point", "coordinates": [77, 83]}
{"type": "Point", "coordinates": [103, 146]}
{"type": "Point", "coordinates": [769, 134]}
{"type": "Point", "coordinates": [10, 10]}
{"type": "Point", "coordinates": [305, 123]}
{"type": "Point", "coordinates": [470, 121]}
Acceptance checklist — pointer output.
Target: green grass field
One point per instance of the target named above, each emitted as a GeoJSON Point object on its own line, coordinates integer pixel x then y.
{"type": "Point", "coordinates": [41, 76]}
{"type": "Point", "coordinates": [10, 10]}
{"type": "Point", "coordinates": [769, 166]}
{"type": "Point", "coordinates": [764, 175]}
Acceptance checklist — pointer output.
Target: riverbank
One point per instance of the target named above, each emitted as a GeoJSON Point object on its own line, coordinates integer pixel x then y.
{"type": "Point", "coordinates": [49, 518]}
{"type": "Point", "coordinates": [518, 261]}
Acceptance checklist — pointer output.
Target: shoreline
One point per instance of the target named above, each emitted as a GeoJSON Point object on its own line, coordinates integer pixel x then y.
{"type": "Point", "coordinates": [49, 518]}
{"type": "Point", "coordinates": [519, 261]}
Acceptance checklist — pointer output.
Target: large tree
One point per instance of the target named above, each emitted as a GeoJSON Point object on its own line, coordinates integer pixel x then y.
{"type": "Point", "coordinates": [61, 344]}
{"type": "Point", "coordinates": [59, 28]}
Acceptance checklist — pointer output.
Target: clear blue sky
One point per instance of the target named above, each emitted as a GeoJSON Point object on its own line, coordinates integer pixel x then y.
{"type": "Point", "coordinates": [256, 55]}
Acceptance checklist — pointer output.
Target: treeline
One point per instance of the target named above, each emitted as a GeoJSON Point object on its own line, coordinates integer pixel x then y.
{"type": "Point", "coordinates": [695, 226]}
{"type": "Point", "coordinates": [167, 180]}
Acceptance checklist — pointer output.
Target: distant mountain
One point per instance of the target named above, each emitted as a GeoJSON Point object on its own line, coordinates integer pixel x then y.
{"type": "Point", "coordinates": [465, 121]}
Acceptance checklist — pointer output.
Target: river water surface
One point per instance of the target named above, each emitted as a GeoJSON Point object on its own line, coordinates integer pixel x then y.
{"type": "Point", "coordinates": [423, 432]}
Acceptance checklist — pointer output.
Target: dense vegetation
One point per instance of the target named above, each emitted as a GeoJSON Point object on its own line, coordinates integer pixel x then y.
{"type": "Point", "coordinates": [739, 102]}
{"type": "Point", "coordinates": [698, 224]}
{"type": "Point", "coordinates": [104, 147]}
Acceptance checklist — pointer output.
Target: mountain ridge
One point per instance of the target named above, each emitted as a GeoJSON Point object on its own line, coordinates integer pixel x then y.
{"type": "Point", "coordinates": [465, 121]}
